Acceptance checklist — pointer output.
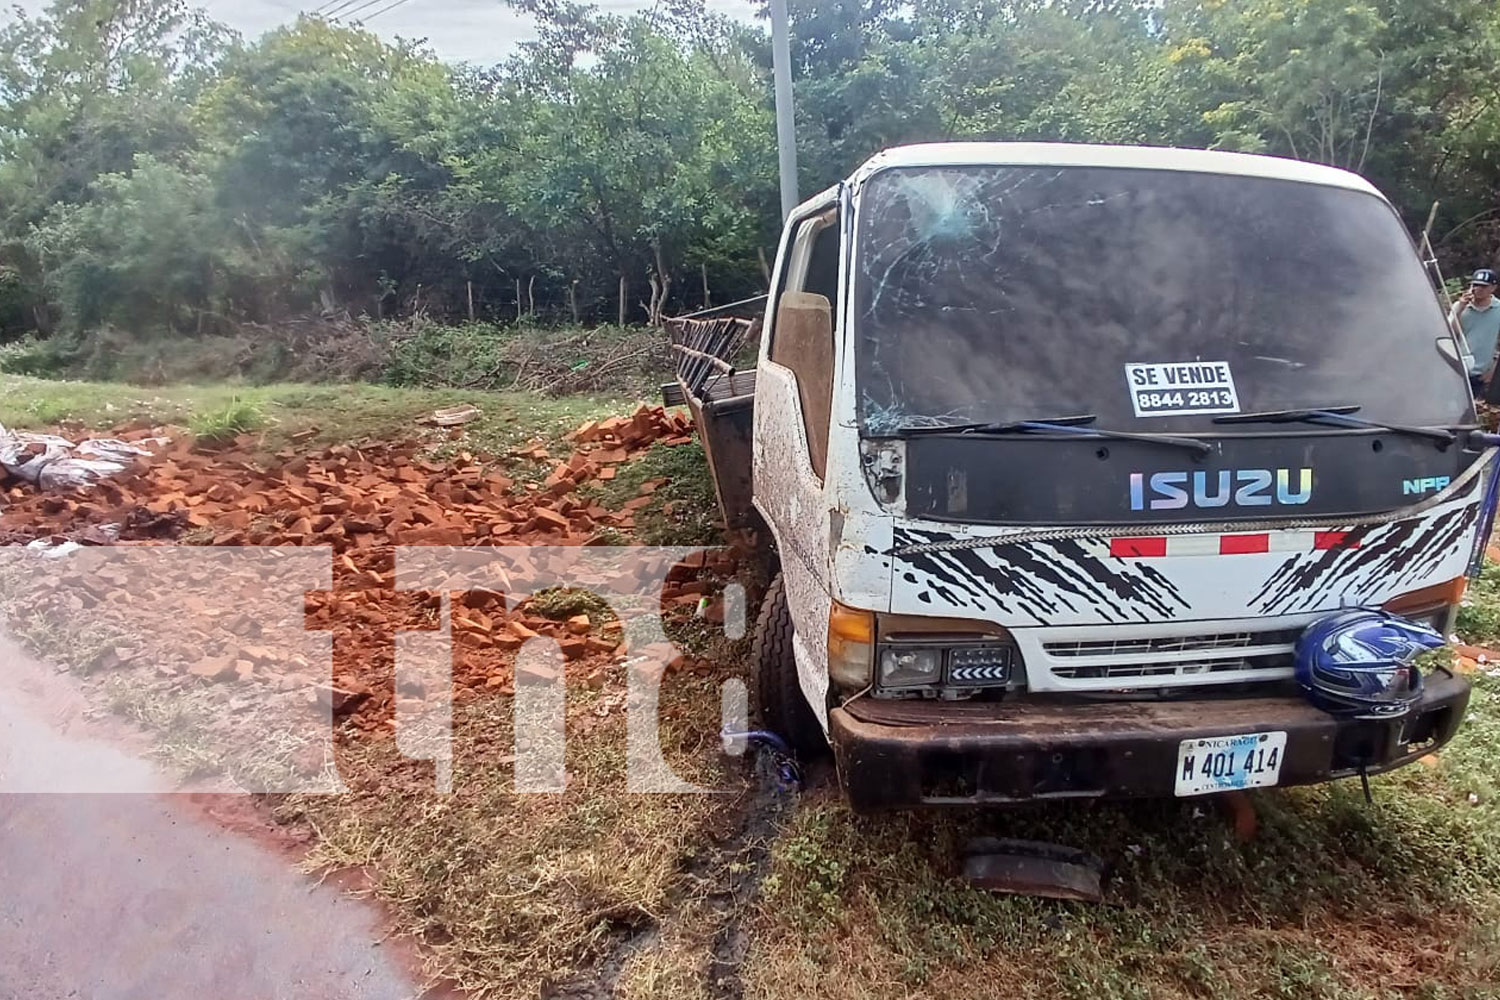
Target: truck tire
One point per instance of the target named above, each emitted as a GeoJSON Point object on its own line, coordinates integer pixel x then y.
{"type": "Point", "coordinates": [778, 696]}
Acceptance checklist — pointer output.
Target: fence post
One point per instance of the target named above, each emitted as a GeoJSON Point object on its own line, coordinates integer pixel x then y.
{"type": "Point", "coordinates": [622, 301]}
{"type": "Point", "coordinates": [470, 286]}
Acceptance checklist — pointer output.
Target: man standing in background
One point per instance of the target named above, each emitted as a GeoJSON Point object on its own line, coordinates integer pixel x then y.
{"type": "Point", "coordinates": [1477, 314]}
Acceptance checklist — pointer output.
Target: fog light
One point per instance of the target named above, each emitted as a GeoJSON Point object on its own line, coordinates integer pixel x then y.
{"type": "Point", "coordinates": [979, 666]}
{"type": "Point", "coordinates": [910, 666]}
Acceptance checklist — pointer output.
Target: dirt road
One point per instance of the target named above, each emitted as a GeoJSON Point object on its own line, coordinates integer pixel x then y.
{"type": "Point", "coordinates": [145, 894]}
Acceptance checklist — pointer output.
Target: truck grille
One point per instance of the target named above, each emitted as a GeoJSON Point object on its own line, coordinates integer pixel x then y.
{"type": "Point", "coordinates": [1247, 655]}
{"type": "Point", "coordinates": [1275, 664]}
{"type": "Point", "coordinates": [1229, 641]}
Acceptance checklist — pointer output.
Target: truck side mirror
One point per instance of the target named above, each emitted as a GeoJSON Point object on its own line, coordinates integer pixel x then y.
{"type": "Point", "coordinates": [803, 341]}
{"type": "Point", "coordinates": [1449, 349]}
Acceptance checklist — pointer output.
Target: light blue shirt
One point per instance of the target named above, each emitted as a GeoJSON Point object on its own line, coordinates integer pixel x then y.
{"type": "Point", "coordinates": [1481, 329]}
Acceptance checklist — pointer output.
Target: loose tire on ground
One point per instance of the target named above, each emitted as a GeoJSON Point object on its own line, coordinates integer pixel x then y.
{"type": "Point", "coordinates": [778, 696]}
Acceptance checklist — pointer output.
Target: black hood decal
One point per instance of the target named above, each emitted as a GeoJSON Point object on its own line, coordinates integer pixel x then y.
{"type": "Point", "coordinates": [1037, 579]}
{"type": "Point", "coordinates": [1389, 556]}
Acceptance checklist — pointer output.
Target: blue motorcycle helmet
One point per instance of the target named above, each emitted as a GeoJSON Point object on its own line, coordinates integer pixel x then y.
{"type": "Point", "coordinates": [1359, 663]}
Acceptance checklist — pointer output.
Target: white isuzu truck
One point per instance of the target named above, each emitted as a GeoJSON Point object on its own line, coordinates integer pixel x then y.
{"type": "Point", "coordinates": [1058, 449]}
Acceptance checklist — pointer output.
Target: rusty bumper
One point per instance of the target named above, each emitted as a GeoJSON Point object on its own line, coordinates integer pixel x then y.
{"type": "Point", "coordinates": [903, 754]}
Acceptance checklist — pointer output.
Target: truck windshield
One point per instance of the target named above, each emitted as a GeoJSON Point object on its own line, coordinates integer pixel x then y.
{"type": "Point", "coordinates": [1154, 299]}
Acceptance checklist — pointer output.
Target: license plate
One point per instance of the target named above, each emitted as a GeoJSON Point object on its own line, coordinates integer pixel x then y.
{"type": "Point", "coordinates": [1226, 763]}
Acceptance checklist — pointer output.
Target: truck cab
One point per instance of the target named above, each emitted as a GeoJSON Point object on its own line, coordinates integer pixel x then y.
{"type": "Point", "coordinates": [1059, 448]}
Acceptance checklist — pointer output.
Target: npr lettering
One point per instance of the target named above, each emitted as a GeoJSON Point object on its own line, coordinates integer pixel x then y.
{"type": "Point", "coordinates": [1208, 373]}
{"type": "Point", "coordinates": [1428, 485]}
{"type": "Point", "coordinates": [1203, 489]}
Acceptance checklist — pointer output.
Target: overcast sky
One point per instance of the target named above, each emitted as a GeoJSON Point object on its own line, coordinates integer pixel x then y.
{"type": "Point", "coordinates": [480, 31]}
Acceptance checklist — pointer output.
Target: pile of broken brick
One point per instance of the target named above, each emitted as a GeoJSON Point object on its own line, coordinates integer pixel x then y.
{"type": "Point", "coordinates": [346, 496]}
{"type": "Point", "coordinates": [362, 501]}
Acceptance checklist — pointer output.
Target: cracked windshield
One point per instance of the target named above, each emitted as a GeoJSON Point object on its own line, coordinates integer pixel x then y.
{"type": "Point", "coordinates": [995, 293]}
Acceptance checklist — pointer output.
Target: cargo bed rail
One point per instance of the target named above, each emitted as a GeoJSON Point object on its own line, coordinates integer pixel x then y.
{"type": "Point", "coordinates": [720, 396]}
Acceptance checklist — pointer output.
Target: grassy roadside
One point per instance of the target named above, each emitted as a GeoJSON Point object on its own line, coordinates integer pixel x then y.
{"type": "Point", "coordinates": [310, 415]}
{"type": "Point", "coordinates": [510, 889]}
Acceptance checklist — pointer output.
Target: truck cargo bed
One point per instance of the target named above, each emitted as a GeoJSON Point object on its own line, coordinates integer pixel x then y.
{"type": "Point", "coordinates": [720, 396]}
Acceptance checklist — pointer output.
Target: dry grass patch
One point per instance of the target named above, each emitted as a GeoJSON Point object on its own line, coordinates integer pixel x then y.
{"type": "Point", "coordinates": [1332, 899]}
{"type": "Point", "coordinates": [513, 891]}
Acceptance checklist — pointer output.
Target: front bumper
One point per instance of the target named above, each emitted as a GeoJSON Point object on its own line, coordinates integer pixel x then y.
{"type": "Point", "coordinates": [903, 754]}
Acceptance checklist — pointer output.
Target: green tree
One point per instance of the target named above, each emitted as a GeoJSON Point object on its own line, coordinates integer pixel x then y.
{"type": "Point", "coordinates": [654, 158]}
{"type": "Point", "coordinates": [85, 86]}
{"type": "Point", "coordinates": [149, 250]}
{"type": "Point", "coordinates": [299, 123]}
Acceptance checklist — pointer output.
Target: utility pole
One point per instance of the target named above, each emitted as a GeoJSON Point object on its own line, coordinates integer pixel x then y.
{"type": "Point", "coordinates": [786, 129]}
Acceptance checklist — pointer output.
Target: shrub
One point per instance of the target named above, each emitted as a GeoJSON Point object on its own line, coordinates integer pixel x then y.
{"type": "Point", "coordinates": [50, 358]}
{"type": "Point", "coordinates": [222, 425]}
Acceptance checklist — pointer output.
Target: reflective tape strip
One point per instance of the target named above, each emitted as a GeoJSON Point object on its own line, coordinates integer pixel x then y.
{"type": "Point", "coordinates": [1193, 545]}
{"type": "Point", "coordinates": [1293, 541]}
{"type": "Point", "coordinates": [1235, 545]}
{"type": "Point", "coordinates": [1334, 540]}
{"type": "Point", "coordinates": [1138, 547]}
{"type": "Point", "coordinates": [1157, 546]}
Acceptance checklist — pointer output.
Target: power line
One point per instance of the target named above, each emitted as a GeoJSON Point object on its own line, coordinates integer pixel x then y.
{"type": "Point", "coordinates": [327, 7]}
{"type": "Point", "coordinates": [327, 11]}
{"type": "Point", "coordinates": [335, 11]}
{"type": "Point", "coordinates": [382, 10]}
{"type": "Point", "coordinates": [333, 8]}
{"type": "Point", "coordinates": [360, 5]}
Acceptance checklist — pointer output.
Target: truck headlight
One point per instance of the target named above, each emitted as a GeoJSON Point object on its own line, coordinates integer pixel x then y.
{"type": "Point", "coordinates": [910, 666]}
{"type": "Point", "coordinates": [919, 656]}
{"type": "Point", "coordinates": [958, 669]}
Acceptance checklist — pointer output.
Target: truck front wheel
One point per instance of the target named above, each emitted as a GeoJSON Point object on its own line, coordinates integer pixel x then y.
{"type": "Point", "coordinates": [778, 696]}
